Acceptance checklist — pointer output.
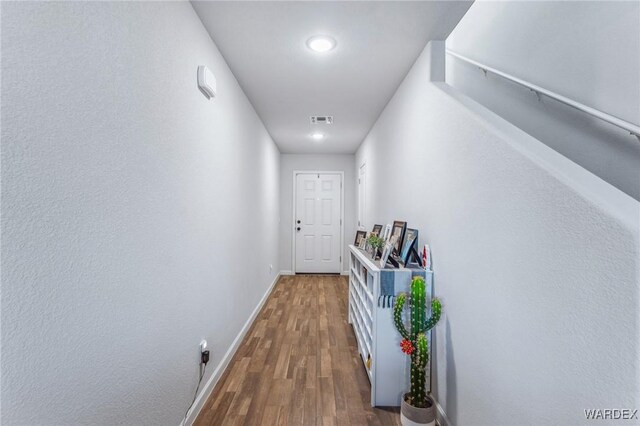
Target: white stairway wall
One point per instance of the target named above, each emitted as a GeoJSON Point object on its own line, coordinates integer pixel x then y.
{"type": "Point", "coordinates": [588, 51]}
{"type": "Point", "coordinates": [535, 258]}
{"type": "Point", "coordinates": [314, 162]}
{"type": "Point", "coordinates": [136, 214]}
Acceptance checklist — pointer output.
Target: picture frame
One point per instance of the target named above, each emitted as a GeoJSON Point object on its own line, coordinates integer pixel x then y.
{"type": "Point", "coordinates": [398, 230]}
{"type": "Point", "coordinates": [410, 241]}
{"type": "Point", "coordinates": [386, 232]}
{"type": "Point", "coordinates": [377, 229]}
{"type": "Point", "coordinates": [364, 244]}
{"type": "Point", "coordinates": [388, 248]}
{"type": "Point", "coordinates": [360, 237]}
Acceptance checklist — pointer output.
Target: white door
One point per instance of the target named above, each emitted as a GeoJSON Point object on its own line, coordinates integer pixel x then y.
{"type": "Point", "coordinates": [317, 222]}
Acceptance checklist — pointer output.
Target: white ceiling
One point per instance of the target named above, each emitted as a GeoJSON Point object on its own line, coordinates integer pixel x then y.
{"type": "Point", "coordinates": [264, 44]}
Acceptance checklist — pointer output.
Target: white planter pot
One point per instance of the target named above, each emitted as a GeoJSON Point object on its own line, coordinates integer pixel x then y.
{"type": "Point", "coordinates": [413, 416]}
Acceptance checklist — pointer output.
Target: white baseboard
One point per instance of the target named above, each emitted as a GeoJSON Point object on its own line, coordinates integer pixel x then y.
{"type": "Point", "coordinates": [441, 416]}
{"type": "Point", "coordinates": [226, 359]}
{"type": "Point", "coordinates": [283, 273]}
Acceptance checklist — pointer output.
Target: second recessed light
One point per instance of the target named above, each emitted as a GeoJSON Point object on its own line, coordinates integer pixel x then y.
{"type": "Point", "coordinates": [321, 43]}
{"type": "Point", "coordinates": [317, 136]}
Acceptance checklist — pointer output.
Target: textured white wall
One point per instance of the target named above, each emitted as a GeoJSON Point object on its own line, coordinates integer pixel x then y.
{"type": "Point", "coordinates": [535, 259]}
{"type": "Point", "coordinates": [588, 51]}
{"type": "Point", "coordinates": [339, 163]}
{"type": "Point", "coordinates": [136, 215]}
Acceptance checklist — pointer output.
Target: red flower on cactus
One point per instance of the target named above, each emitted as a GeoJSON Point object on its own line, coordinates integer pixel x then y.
{"type": "Point", "coordinates": [407, 346]}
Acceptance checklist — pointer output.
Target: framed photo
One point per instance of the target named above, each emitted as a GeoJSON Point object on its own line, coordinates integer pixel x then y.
{"type": "Point", "coordinates": [377, 229]}
{"type": "Point", "coordinates": [386, 232]}
{"type": "Point", "coordinates": [361, 238]}
{"type": "Point", "coordinates": [410, 240]}
{"type": "Point", "coordinates": [388, 248]}
{"type": "Point", "coordinates": [366, 241]}
{"type": "Point", "coordinates": [398, 230]}
{"type": "Point", "coordinates": [371, 251]}
{"type": "Point", "coordinates": [364, 244]}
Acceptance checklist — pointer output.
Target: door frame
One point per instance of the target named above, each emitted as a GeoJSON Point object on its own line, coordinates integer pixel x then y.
{"type": "Point", "coordinates": [362, 187]}
{"type": "Point", "coordinates": [293, 217]}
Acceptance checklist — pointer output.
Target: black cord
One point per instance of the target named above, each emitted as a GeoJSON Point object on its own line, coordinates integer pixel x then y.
{"type": "Point", "coordinates": [203, 368]}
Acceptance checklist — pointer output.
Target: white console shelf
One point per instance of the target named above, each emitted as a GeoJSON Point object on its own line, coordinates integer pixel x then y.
{"type": "Point", "coordinates": [371, 317]}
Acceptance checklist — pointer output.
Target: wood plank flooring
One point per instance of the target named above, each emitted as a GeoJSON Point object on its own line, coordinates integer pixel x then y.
{"type": "Point", "coordinates": [298, 365]}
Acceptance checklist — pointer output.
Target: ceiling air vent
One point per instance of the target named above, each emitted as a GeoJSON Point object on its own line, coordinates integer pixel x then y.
{"type": "Point", "coordinates": [322, 119]}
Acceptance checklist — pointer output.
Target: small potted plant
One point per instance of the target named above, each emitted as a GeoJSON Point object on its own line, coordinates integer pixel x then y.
{"type": "Point", "coordinates": [377, 243]}
{"type": "Point", "coordinates": [417, 407]}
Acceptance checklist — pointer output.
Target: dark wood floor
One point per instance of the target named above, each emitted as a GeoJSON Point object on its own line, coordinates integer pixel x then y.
{"type": "Point", "coordinates": [298, 365]}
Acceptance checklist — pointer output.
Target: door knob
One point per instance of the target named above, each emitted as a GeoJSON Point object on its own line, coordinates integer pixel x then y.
{"type": "Point", "coordinates": [298, 221]}
{"type": "Point", "coordinates": [298, 228]}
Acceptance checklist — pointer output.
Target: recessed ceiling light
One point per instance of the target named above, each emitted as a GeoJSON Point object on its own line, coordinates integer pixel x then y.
{"type": "Point", "coordinates": [321, 43]}
{"type": "Point", "coordinates": [317, 136]}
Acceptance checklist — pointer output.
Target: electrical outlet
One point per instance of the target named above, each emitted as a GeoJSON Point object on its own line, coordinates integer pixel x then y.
{"type": "Point", "coordinates": [203, 346]}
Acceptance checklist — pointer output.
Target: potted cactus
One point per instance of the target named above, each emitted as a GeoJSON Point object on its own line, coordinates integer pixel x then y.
{"type": "Point", "coordinates": [417, 407]}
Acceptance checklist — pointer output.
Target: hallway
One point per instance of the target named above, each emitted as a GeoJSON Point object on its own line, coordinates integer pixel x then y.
{"type": "Point", "coordinates": [299, 363]}
{"type": "Point", "coordinates": [168, 167]}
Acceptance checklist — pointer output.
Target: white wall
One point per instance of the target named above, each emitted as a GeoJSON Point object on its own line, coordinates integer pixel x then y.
{"type": "Point", "coordinates": [131, 209]}
{"type": "Point", "coordinates": [588, 51]}
{"type": "Point", "coordinates": [535, 259]}
{"type": "Point", "coordinates": [338, 163]}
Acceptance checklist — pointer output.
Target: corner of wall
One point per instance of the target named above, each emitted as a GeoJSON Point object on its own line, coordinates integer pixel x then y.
{"type": "Point", "coordinates": [436, 52]}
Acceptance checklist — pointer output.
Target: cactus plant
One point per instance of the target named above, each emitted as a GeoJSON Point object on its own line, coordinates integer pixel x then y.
{"type": "Point", "coordinates": [414, 341]}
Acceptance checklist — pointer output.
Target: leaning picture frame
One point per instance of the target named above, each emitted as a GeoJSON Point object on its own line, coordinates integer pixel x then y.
{"type": "Point", "coordinates": [377, 229]}
{"type": "Point", "coordinates": [398, 230]}
{"type": "Point", "coordinates": [388, 248]}
{"type": "Point", "coordinates": [364, 243]}
{"type": "Point", "coordinates": [410, 240]}
{"type": "Point", "coordinates": [386, 232]}
{"type": "Point", "coordinates": [360, 237]}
